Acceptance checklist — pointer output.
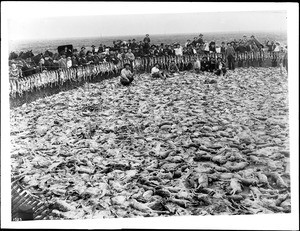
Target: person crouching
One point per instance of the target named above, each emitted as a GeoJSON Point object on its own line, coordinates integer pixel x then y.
{"type": "Point", "coordinates": [173, 68]}
{"type": "Point", "coordinates": [220, 67]}
{"type": "Point", "coordinates": [204, 64]}
{"type": "Point", "coordinates": [156, 73]}
{"type": "Point", "coordinates": [212, 64]}
{"type": "Point", "coordinates": [126, 76]}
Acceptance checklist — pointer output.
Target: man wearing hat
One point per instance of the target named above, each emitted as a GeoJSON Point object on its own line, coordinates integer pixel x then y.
{"type": "Point", "coordinates": [82, 60]}
{"type": "Point", "coordinates": [200, 39]}
{"type": "Point", "coordinates": [75, 61]}
{"type": "Point", "coordinates": [82, 51]}
{"type": "Point", "coordinates": [126, 76]}
{"type": "Point", "coordinates": [147, 39]}
{"type": "Point", "coordinates": [133, 44]}
{"type": "Point", "coordinates": [62, 61]}
{"type": "Point", "coordinates": [194, 42]}
{"type": "Point", "coordinates": [101, 48]}
{"type": "Point", "coordinates": [48, 62]}
{"type": "Point", "coordinates": [93, 49]}
{"type": "Point", "coordinates": [230, 56]}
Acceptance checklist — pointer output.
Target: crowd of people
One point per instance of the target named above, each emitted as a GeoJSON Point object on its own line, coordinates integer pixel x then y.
{"type": "Point", "coordinates": [132, 49]}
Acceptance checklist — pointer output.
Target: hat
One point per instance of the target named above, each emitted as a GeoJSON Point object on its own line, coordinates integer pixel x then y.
{"type": "Point", "coordinates": [82, 48]}
{"type": "Point", "coordinates": [69, 58]}
{"type": "Point", "coordinates": [200, 34]}
{"type": "Point", "coordinates": [74, 50]}
{"type": "Point", "coordinates": [127, 64]}
{"type": "Point", "coordinates": [93, 46]}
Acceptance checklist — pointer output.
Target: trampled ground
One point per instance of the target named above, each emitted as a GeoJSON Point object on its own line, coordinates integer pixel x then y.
{"type": "Point", "coordinates": [159, 148]}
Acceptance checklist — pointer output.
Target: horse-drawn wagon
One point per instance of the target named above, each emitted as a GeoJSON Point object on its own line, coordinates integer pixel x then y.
{"type": "Point", "coordinates": [66, 49]}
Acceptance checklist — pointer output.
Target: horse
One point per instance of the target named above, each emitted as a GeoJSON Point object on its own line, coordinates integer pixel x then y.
{"type": "Point", "coordinates": [13, 55]}
{"type": "Point", "coordinates": [28, 54]}
{"type": "Point", "coordinates": [241, 48]}
{"type": "Point", "coordinates": [28, 68]}
{"type": "Point", "coordinates": [55, 56]}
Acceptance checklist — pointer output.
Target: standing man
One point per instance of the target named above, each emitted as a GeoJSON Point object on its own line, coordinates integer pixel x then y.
{"type": "Point", "coordinates": [230, 56]}
{"type": "Point", "coordinates": [200, 39]}
{"type": "Point", "coordinates": [147, 39]}
{"type": "Point", "coordinates": [223, 48]}
{"type": "Point", "coordinates": [194, 42]}
{"type": "Point", "coordinates": [93, 49]}
{"type": "Point", "coordinates": [101, 49]}
{"type": "Point", "coordinates": [146, 44]}
{"type": "Point", "coordinates": [133, 44]}
{"type": "Point", "coordinates": [129, 55]}
{"type": "Point", "coordinates": [178, 50]}
{"type": "Point", "coordinates": [63, 61]}
{"type": "Point", "coordinates": [48, 62]}
{"type": "Point", "coordinates": [82, 51]}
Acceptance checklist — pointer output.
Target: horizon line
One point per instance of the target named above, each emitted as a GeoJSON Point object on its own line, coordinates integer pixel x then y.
{"type": "Point", "coordinates": [107, 36]}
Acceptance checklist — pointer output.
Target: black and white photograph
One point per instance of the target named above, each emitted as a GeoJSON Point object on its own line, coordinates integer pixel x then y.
{"type": "Point", "coordinates": [171, 115]}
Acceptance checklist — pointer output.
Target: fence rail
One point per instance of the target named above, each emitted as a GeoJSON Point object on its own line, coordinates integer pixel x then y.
{"type": "Point", "coordinates": [19, 88]}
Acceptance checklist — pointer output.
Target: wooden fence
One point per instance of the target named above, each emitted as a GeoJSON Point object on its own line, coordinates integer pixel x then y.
{"type": "Point", "coordinates": [39, 85]}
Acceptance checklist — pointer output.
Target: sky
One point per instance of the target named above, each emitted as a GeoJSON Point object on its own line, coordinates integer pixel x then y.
{"type": "Point", "coordinates": [45, 26]}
